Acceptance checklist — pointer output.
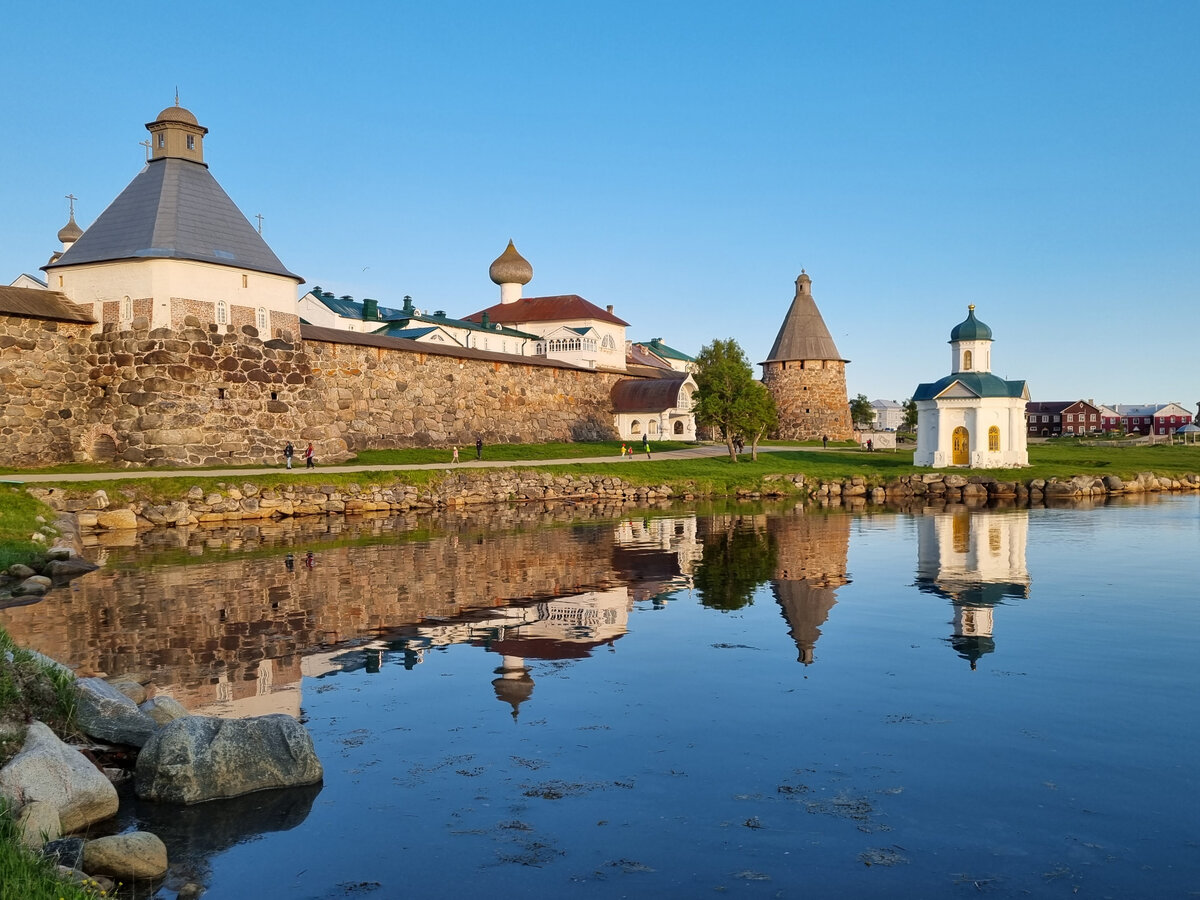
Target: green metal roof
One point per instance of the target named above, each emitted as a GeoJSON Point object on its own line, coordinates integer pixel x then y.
{"type": "Point", "coordinates": [981, 384]}
{"type": "Point", "coordinates": [657, 347]}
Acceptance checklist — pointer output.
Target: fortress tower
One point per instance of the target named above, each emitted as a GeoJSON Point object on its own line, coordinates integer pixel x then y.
{"type": "Point", "coordinates": [806, 375]}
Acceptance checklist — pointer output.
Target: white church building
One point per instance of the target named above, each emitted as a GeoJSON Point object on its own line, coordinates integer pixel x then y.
{"type": "Point", "coordinates": [971, 417]}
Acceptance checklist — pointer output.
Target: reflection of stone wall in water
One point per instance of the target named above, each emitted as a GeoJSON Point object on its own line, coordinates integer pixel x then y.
{"type": "Point", "coordinates": [205, 631]}
{"type": "Point", "coordinates": [812, 551]}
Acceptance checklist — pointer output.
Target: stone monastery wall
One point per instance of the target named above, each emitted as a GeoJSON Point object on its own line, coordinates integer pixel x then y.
{"type": "Point", "coordinates": [43, 388]}
{"type": "Point", "coordinates": [221, 395]}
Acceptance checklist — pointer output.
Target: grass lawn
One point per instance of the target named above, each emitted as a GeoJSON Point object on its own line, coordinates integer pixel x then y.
{"type": "Point", "coordinates": [18, 520]}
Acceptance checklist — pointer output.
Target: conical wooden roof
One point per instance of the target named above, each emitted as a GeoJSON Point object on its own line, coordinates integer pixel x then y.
{"type": "Point", "coordinates": [803, 334]}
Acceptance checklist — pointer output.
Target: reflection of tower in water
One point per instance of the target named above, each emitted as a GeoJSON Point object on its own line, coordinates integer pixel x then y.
{"type": "Point", "coordinates": [976, 560]}
{"type": "Point", "coordinates": [811, 564]}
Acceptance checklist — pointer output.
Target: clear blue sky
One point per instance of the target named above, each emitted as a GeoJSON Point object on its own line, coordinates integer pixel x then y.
{"type": "Point", "coordinates": [681, 161]}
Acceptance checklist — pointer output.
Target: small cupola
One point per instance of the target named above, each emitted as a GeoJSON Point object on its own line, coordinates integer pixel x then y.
{"type": "Point", "coordinates": [70, 233]}
{"type": "Point", "coordinates": [803, 284]}
{"type": "Point", "coordinates": [511, 271]}
{"type": "Point", "coordinates": [175, 134]}
{"type": "Point", "coordinates": [970, 345]}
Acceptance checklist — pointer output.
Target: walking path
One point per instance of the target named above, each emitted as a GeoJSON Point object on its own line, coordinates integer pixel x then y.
{"type": "Point", "coordinates": [697, 452]}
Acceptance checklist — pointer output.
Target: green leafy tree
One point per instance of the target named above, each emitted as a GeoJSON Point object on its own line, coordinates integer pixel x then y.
{"type": "Point", "coordinates": [725, 395]}
{"type": "Point", "coordinates": [910, 414]}
{"type": "Point", "coordinates": [759, 417]}
{"type": "Point", "coordinates": [861, 412]}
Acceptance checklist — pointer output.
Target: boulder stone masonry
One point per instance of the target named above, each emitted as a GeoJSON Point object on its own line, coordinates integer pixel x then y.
{"type": "Point", "coordinates": [220, 395]}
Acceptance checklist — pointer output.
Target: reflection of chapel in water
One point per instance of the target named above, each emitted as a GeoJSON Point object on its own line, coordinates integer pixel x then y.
{"type": "Point", "coordinates": [976, 560]}
{"type": "Point", "coordinates": [811, 564]}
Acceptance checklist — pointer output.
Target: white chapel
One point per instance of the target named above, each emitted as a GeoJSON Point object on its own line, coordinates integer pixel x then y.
{"type": "Point", "coordinates": [971, 417]}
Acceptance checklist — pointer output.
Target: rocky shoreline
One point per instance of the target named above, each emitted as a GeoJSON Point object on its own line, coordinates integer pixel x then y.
{"type": "Point", "coordinates": [60, 792]}
{"type": "Point", "coordinates": [249, 502]}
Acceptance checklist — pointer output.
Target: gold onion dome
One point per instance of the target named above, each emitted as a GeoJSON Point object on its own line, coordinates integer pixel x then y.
{"type": "Point", "coordinates": [511, 267]}
{"type": "Point", "coordinates": [177, 114]}
{"type": "Point", "coordinates": [70, 232]}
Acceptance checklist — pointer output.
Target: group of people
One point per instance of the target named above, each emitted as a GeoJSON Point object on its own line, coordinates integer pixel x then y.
{"type": "Point", "coordinates": [627, 451]}
{"type": "Point", "coordinates": [309, 458]}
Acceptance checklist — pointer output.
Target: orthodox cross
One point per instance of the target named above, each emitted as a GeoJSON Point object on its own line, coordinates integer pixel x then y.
{"type": "Point", "coordinates": [260, 218]}
{"type": "Point", "coordinates": [146, 144]}
{"type": "Point", "coordinates": [72, 198]}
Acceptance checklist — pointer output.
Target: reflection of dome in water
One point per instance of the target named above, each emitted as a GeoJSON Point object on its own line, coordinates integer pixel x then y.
{"type": "Point", "coordinates": [514, 689]}
{"type": "Point", "coordinates": [972, 647]}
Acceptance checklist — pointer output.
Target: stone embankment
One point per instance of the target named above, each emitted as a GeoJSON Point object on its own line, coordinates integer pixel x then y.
{"type": "Point", "coordinates": [941, 487]}
{"type": "Point", "coordinates": [232, 503]}
{"type": "Point", "coordinates": [249, 501]}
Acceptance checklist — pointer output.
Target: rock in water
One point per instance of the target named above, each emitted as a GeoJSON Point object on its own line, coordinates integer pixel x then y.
{"type": "Point", "coordinates": [133, 855]}
{"type": "Point", "coordinates": [47, 769]}
{"type": "Point", "coordinates": [107, 714]}
{"type": "Point", "coordinates": [200, 758]}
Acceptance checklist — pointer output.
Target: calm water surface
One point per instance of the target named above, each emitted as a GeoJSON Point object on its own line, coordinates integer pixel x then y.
{"type": "Point", "coordinates": [677, 702]}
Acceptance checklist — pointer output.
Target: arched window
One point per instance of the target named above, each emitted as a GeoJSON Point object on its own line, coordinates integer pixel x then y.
{"type": "Point", "coordinates": [679, 426]}
{"type": "Point", "coordinates": [994, 438]}
{"type": "Point", "coordinates": [652, 426]}
{"type": "Point", "coordinates": [635, 427]}
{"type": "Point", "coordinates": [260, 319]}
{"type": "Point", "coordinates": [966, 360]}
{"type": "Point", "coordinates": [126, 310]}
{"type": "Point", "coordinates": [608, 343]}
{"type": "Point", "coordinates": [222, 312]}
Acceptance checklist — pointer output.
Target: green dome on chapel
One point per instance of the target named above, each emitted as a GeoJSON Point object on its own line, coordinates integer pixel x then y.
{"type": "Point", "coordinates": [971, 329]}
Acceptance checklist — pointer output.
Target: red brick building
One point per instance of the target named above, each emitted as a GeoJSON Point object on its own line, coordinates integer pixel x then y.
{"type": "Point", "coordinates": [1052, 418]}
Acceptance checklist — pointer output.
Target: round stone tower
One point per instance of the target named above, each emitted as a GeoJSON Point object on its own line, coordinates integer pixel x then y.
{"type": "Point", "coordinates": [806, 375]}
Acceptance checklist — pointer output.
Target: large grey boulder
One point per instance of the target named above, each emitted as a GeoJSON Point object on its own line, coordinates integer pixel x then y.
{"type": "Point", "coordinates": [130, 856]}
{"type": "Point", "coordinates": [200, 758]}
{"type": "Point", "coordinates": [48, 770]}
{"type": "Point", "coordinates": [108, 715]}
{"type": "Point", "coordinates": [164, 709]}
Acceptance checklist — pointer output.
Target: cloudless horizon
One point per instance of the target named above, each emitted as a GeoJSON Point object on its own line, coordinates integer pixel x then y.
{"type": "Point", "coordinates": [681, 162]}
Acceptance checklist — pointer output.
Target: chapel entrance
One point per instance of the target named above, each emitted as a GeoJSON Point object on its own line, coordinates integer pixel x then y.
{"type": "Point", "coordinates": [962, 454]}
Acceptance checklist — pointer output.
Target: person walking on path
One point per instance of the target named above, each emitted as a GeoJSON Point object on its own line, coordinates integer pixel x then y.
{"type": "Point", "coordinates": [454, 458]}
{"type": "Point", "coordinates": [479, 448]}
{"type": "Point", "coordinates": [646, 444]}
{"type": "Point", "coordinates": [288, 452]}
{"type": "Point", "coordinates": [824, 442]}
{"type": "Point", "coordinates": [308, 456]}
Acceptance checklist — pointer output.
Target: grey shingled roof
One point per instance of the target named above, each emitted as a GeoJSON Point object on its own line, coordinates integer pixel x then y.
{"type": "Point", "coordinates": [174, 209]}
{"type": "Point", "coordinates": [803, 334]}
